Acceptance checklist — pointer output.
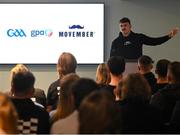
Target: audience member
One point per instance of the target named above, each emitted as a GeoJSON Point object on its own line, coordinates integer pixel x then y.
{"type": "Point", "coordinates": [116, 66]}
{"type": "Point", "coordinates": [38, 95]}
{"type": "Point", "coordinates": [137, 115]}
{"type": "Point", "coordinates": [161, 71]}
{"type": "Point", "coordinates": [99, 114]}
{"type": "Point", "coordinates": [175, 119]}
{"type": "Point", "coordinates": [102, 75]}
{"type": "Point", "coordinates": [165, 99]}
{"type": "Point", "coordinates": [66, 64]}
{"type": "Point", "coordinates": [66, 105]}
{"type": "Point", "coordinates": [32, 118]}
{"type": "Point", "coordinates": [145, 65]}
{"type": "Point", "coordinates": [70, 125]}
{"type": "Point", "coordinates": [8, 116]}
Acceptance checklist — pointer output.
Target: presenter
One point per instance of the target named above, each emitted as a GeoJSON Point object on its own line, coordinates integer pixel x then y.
{"type": "Point", "coordinates": [129, 44]}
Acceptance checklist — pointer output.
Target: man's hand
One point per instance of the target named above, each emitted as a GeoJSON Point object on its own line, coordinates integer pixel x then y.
{"type": "Point", "coordinates": [173, 32]}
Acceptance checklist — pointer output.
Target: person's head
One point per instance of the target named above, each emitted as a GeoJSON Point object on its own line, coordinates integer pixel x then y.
{"type": "Point", "coordinates": [16, 69]}
{"type": "Point", "coordinates": [8, 115]}
{"type": "Point", "coordinates": [135, 86]}
{"type": "Point", "coordinates": [174, 72]}
{"type": "Point", "coordinates": [99, 114]}
{"type": "Point", "coordinates": [22, 84]}
{"type": "Point", "coordinates": [116, 65]}
{"type": "Point", "coordinates": [125, 26]}
{"type": "Point", "coordinates": [145, 64]}
{"type": "Point", "coordinates": [81, 88]}
{"type": "Point", "coordinates": [66, 64]}
{"type": "Point", "coordinates": [102, 74]}
{"type": "Point", "coordinates": [162, 67]}
{"type": "Point", "coordinates": [66, 103]}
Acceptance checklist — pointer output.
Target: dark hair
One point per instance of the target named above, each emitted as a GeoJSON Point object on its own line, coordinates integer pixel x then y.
{"type": "Point", "coordinates": [23, 82]}
{"type": "Point", "coordinates": [162, 67]}
{"type": "Point", "coordinates": [99, 114]}
{"type": "Point", "coordinates": [124, 20]}
{"type": "Point", "coordinates": [145, 60]}
{"type": "Point", "coordinates": [81, 88]}
{"type": "Point", "coordinates": [174, 68]}
{"type": "Point", "coordinates": [116, 65]}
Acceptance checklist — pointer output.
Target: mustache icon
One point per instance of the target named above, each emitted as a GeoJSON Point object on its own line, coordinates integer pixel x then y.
{"type": "Point", "coordinates": [76, 27]}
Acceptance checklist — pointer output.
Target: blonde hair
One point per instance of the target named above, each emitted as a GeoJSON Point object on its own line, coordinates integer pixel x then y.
{"type": "Point", "coordinates": [8, 115]}
{"type": "Point", "coordinates": [102, 74]}
{"type": "Point", "coordinates": [18, 68]}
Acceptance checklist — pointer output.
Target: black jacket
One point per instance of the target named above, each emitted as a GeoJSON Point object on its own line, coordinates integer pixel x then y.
{"type": "Point", "coordinates": [53, 94]}
{"type": "Point", "coordinates": [165, 100]}
{"type": "Point", "coordinates": [150, 77]}
{"type": "Point", "coordinates": [138, 117]}
{"type": "Point", "coordinates": [130, 47]}
{"type": "Point", "coordinates": [32, 118]}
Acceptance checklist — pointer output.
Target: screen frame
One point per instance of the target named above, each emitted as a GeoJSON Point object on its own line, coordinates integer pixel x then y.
{"type": "Point", "coordinates": [83, 64]}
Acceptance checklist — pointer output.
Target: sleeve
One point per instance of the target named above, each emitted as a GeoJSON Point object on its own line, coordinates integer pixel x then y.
{"type": "Point", "coordinates": [157, 101]}
{"type": "Point", "coordinates": [113, 51]}
{"type": "Point", "coordinates": [49, 94]}
{"type": "Point", "coordinates": [154, 41]}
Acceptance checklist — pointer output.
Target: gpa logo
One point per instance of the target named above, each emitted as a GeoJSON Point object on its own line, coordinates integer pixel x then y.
{"type": "Point", "coordinates": [37, 33]}
{"type": "Point", "coordinates": [77, 31]}
{"type": "Point", "coordinates": [16, 33]}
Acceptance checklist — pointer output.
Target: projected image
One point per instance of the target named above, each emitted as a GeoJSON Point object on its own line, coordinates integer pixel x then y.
{"type": "Point", "coordinates": [39, 33]}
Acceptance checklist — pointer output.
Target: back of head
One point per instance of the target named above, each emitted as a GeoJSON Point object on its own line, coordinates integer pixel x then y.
{"type": "Point", "coordinates": [135, 86]}
{"type": "Point", "coordinates": [116, 65]}
{"type": "Point", "coordinates": [102, 74]}
{"type": "Point", "coordinates": [81, 88]}
{"type": "Point", "coordinates": [66, 64]}
{"type": "Point", "coordinates": [98, 113]}
{"type": "Point", "coordinates": [18, 68]}
{"type": "Point", "coordinates": [174, 71]}
{"type": "Point", "coordinates": [8, 115]}
{"type": "Point", "coordinates": [125, 20]}
{"type": "Point", "coordinates": [145, 62]}
{"type": "Point", "coordinates": [162, 67]}
{"type": "Point", "coordinates": [23, 82]}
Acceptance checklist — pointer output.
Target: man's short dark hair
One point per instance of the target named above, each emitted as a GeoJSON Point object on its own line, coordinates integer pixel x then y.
{"type": "Point", "coordinates": [81, 88]}
{"type": "Point", "coordinates": [174, 68]}
{"type": "Point", "coordinates": [162, 67]}
{"type": "Point", "coordinates": [23, 82]}
{"type": "Point", "coordinates": [116, 65]}
{"type": "Point", "coordinates": [125, 20]}
{"type": "Point", "coordinates": [145, 60]}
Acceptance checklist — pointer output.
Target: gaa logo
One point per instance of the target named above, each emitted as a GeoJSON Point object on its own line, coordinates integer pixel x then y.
{"type": "Point", "coordinates": [16, 33]}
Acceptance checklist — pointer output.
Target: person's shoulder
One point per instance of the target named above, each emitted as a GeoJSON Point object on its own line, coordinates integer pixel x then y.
{"type": "Point", "coordinates": [60, 126]}
{"type": "Point", "coordinates": [54, 84]}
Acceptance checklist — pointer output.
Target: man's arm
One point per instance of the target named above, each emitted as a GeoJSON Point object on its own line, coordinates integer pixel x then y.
{"type": "Point", "coordinates": [157, 41]}
{"type": "Point", "coordinates": [114, 50]}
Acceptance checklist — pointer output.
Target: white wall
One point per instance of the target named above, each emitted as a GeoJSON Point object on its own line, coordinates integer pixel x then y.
{"type": "Point", "coordinates": [151, 17]}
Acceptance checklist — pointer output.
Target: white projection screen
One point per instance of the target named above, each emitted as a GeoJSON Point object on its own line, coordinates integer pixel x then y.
{"type": "Point", "coordinates": [39, 33]}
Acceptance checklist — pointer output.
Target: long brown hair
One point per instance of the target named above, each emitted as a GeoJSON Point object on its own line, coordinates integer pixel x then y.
{"type": "Point", "coordinates": [66, 104]}
{"type": "Point", "coordinates": [8, 115]}
{"type": "Point", "coordinates": [135, 86]}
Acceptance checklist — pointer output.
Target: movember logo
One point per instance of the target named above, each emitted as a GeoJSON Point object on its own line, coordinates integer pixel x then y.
{"type": "Point", "coordinates": [76, 31]}
{"type": "Point", "coordinates": [76, 27]}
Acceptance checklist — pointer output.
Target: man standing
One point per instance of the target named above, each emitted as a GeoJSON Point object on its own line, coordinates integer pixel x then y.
{"type": "Point", "coordinates": [129, 44]}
